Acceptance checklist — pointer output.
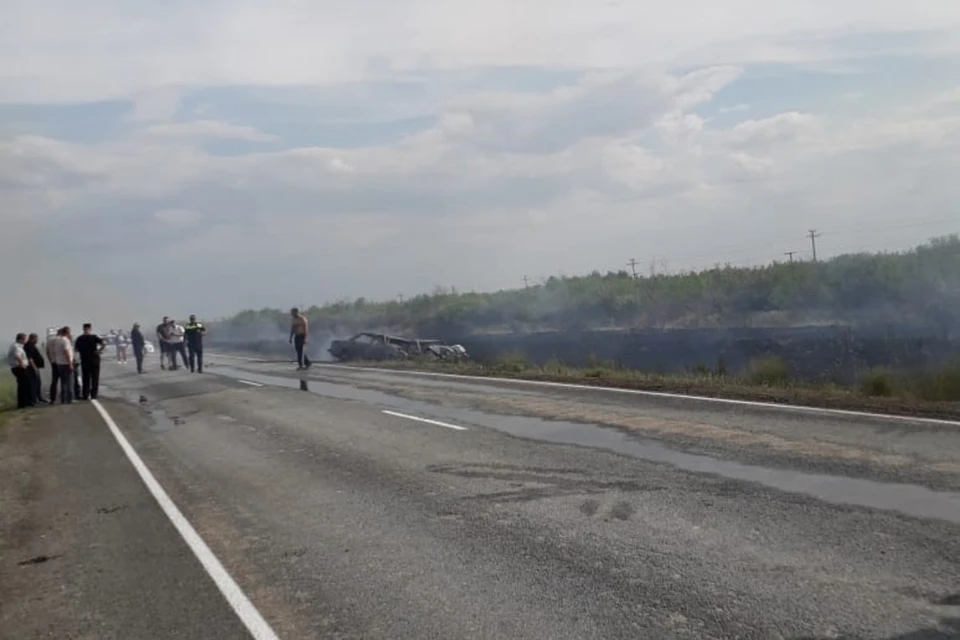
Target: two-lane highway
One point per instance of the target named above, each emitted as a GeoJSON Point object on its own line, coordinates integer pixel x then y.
{"type": "Point", "coordinates": [371, 504]}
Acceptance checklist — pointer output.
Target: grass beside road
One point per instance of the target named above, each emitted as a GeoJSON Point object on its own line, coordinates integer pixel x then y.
{"type": "Point", "coordinates": [8, 395]}
{"type": "Point", "coordinates": [933, 395]}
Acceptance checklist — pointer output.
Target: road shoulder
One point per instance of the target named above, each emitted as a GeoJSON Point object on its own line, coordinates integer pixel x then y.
{"type": "Point", "coordinates": [85, 551]}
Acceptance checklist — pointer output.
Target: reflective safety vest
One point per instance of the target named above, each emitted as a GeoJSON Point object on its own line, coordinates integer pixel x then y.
{"type": "Point", "coordinates": [193, 331]}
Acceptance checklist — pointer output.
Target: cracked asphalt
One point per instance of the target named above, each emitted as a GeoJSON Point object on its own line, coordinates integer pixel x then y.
{"type": "Point", "coordinates": [554, 514]}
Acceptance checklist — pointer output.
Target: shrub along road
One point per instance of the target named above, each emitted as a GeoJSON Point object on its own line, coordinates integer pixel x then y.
{"type": "Point", "coordinates": [394, 505]}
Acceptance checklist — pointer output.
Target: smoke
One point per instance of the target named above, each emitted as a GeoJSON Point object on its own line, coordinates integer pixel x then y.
{"type": "Point", "coordinates": [848, 312]}
{"type": "Point", "coordinates": [44, 287]}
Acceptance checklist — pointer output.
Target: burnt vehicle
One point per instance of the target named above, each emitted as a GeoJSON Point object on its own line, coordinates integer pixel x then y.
{"type": "Point", "coordinates": [380, 346]}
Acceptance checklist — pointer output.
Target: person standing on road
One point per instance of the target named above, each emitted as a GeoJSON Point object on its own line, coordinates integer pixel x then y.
{"type": "Point", "coordinates": [51, 349]}
{"type": "Point", "coordinates": [177, 344]}
{"type": "Point", "coordinates": [138, 343]}
{"type": "Point", "coordinates": [194, 332]}
{"type": "Point", "coordinates": [163, 337]}
{"type": "Point", "coordinates": [89, 346]}
{"type": "Point", "coordinates": [64, 360]}
{"type": "Point", "coordinates": [299, 331]}
{"type": "Point", "coordinates": [36, 363]}
{"type": "Point", "coordinates": [122, 342]}
{"type": "Point", "coordinates": [19, 365]}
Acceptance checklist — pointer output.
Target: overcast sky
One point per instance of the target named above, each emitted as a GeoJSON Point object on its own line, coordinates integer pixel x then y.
{"type": "Point", "coordinates": [206, 156]}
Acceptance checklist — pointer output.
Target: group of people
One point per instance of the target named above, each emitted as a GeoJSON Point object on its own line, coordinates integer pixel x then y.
{"type": "Point", "coordinates": [75, 363]}
{"type": "Point", "coordinates": [186, 341]}
{"type": "Point", "coordinates": [74, 366]}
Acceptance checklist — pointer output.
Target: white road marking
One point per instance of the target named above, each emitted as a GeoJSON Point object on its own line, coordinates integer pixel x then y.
{"type": "Point", "coordinates": [427, 420]}
{"type": "Point", "coordinates": [241, 605]}
{"type": "Point", "coordinates": [640, 392]}
{"type": "Point", "coordinates": [252, 384]}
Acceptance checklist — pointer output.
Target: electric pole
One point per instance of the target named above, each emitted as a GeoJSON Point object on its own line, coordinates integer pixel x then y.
{"type": "Point", "coordinates": [633, 266]}
{"type": "Point", "coordinates": [526, 282]}
{"type": "Point", "coordinates": [791, 254]}
{"type": "Point", "coordinates": [813, 242]}
{"type": "Point", "coordinates": [400, 298]}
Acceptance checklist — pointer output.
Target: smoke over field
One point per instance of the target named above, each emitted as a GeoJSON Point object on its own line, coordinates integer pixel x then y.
{"type": "Point", "coordinates": [828, 320]}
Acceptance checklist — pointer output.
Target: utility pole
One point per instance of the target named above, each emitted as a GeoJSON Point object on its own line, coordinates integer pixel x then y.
{"type": "Point", "coordinates": [526, 282]}
{"type": "Point", "coordinates": [791, 254]}
{"type": "Point", "coordinates": [633, 266]}
{"type": "Point", "coordinates": [813, 242]}
{"type": "Point", "coordinates": [400, 298]}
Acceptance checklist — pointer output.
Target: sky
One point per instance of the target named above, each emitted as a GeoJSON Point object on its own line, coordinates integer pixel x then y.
{"type": "Point", "coordinates": [215, 155]}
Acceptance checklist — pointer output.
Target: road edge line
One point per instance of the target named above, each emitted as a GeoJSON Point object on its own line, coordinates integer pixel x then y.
{"type": "Point", "coordinates": [455, 427]}
{"type": "Point", "coordinates": [251, 618]}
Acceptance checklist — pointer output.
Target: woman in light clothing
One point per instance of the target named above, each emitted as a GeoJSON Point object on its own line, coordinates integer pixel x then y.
{"type": "Point", "coordinates": [122, 347]}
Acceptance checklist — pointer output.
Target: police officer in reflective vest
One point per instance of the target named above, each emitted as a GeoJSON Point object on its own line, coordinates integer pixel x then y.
{"type": "Point", "coordinates": [193, 333]}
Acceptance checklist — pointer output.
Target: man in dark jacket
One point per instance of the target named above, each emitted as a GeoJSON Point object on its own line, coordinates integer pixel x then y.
{"type": "Point", "coordinates": [137, 342]}
{"type": "Point", "coordinates": [36, 359]}
{"type": "Point", "coordinates": [193, 333]}
{"type": "Point", "coordinates": [89, 346]}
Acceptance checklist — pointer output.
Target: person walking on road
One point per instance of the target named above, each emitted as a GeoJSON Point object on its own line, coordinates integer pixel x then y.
{"type": "Point", "coordinates": [64, 360]}
{"type": "Point", "coordinates": [89, 346]}
{"type": "Point", "coordinates": [299, 331]}
{"type": "Point", "coordinates": [51, 348]}
{"type": "Point", "coordinates": [178, 344]}
{"type": "Point", "coordinates": [138, 343]}
{"type": "Point", "coordinates": [194, 332]}
{"type": "Point", "coordinates": [163, 341]}
{"type": "Point", "coordinates": [36, 364]}
{"type": "Point", "coordinates": [19, 365]}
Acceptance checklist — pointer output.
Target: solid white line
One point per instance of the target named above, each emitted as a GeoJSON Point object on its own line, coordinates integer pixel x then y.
{"type": "Point", "coordinates": [252, 384]}
{"type": "Point", "coordinates": [427, 420]}
{"type": "Point", "coordinates": [245, 610]}
{"type": "Point", "coordinates": [655, 394]}
{"type": "Point", "coordinates": [649, 394]}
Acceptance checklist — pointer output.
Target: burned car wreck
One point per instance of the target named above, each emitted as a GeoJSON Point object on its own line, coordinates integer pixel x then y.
{"type": "Point", "coordinates": [380, 346]}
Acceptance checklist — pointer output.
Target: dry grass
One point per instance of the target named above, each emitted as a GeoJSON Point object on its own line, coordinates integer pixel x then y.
{"type": "Point", "coordinates": [8, 395]}
{"type": "Point", "coordinates": [936, 394]}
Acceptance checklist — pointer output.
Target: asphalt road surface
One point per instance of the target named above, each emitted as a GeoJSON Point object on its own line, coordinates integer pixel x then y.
{"type": "Point", "coordinates": [250, 501]}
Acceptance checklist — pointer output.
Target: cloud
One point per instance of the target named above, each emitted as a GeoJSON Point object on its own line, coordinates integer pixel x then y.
{"type": "Point", "coordinates": [207, 129]}
{"type": "Point", "coordinates": [294, 152]}
{"type": "Point", "coordinates": [114, 49]}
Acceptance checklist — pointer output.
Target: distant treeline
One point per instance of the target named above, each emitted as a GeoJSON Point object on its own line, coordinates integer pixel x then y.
{"type": "Point", "coordinates": [916, 288]}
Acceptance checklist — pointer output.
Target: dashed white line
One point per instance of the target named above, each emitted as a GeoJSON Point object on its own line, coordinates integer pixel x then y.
{"type": "Point", "coordinates": [248, 382]}
{"type": "Point", "coordinates": [241, 605]}
{"type": "Point", "coordinates": [426, 420]}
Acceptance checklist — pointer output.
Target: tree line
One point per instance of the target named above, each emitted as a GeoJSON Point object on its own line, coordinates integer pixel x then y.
{"type": "Point", "coordinates": [919, 287]}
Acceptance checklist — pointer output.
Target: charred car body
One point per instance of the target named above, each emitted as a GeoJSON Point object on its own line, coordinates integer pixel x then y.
{"type": "Point", "coordinates": [380, 346]}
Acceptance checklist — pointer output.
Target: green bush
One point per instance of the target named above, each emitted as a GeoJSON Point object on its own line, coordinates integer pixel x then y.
{"type": "Point", "coordinates": [769, 371]}
{"type": "Point", "coordinates": [877, 383]}
{"type": "Point", "coordinates": [512, 362]}
{"type": "Point", "coordinates": [554, 367]}
{"type": "Point", "coordinates": [940, 386]}
{"type": "Point", "coordinates": [8, 394]}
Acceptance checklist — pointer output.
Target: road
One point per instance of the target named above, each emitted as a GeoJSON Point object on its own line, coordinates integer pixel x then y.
{"type": "Point", "coordinates": [392, 505]}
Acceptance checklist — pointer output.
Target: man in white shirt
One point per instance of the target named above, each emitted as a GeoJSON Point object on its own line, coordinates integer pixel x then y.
{"type": "Point", "coordinates": [19, 365]}
{"type": "Point", "coordinates": [64, 359]}
{"type": "Point", "coordinates": [177, 344]}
